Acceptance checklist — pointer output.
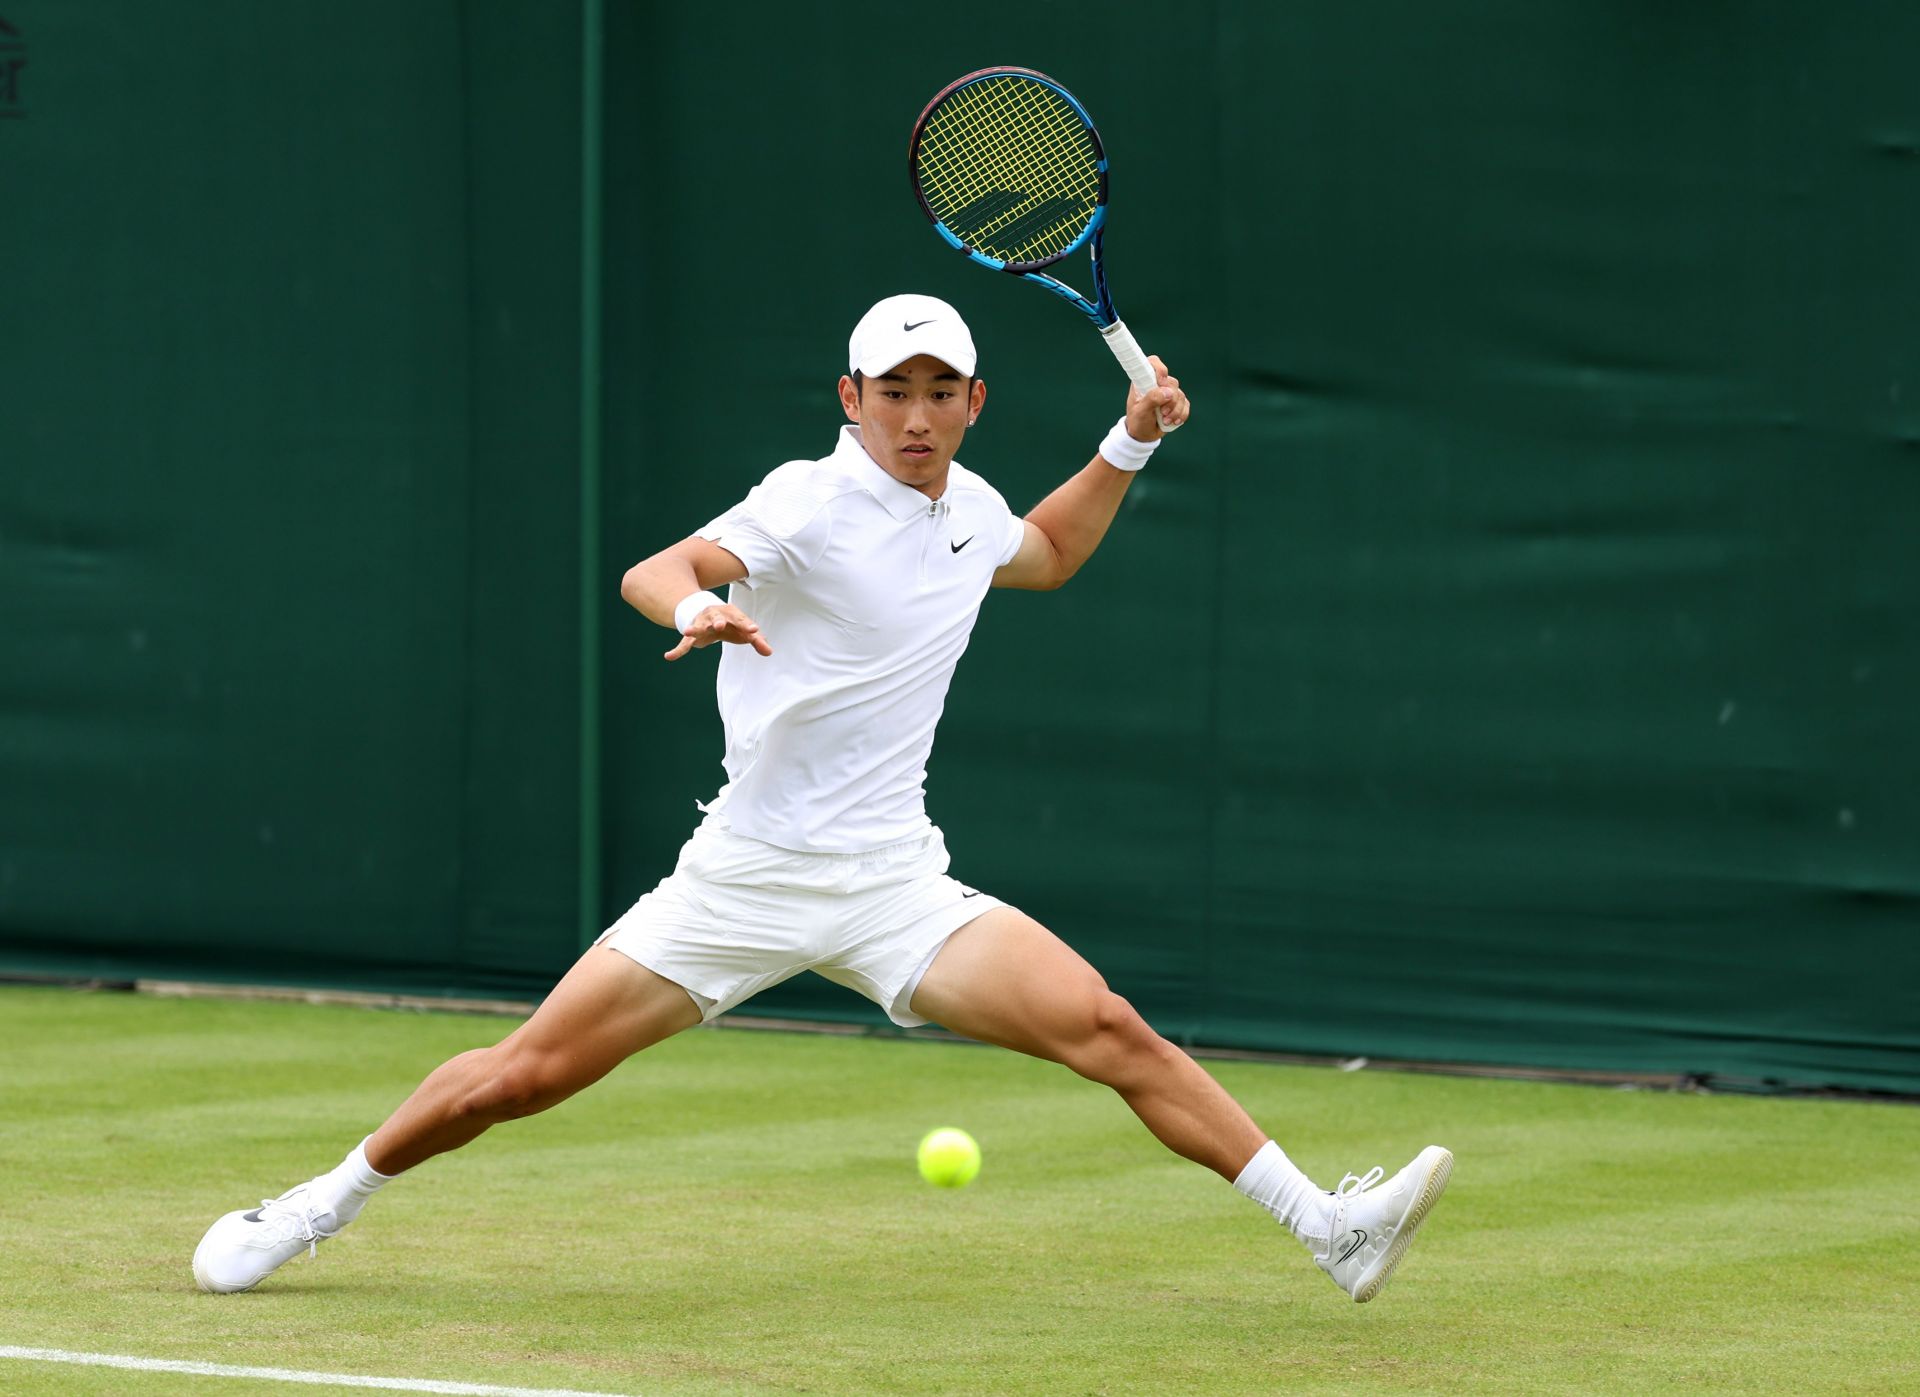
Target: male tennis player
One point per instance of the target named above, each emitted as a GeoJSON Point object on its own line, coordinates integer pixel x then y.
{"type": "Point", "coordinates": [855, 580]}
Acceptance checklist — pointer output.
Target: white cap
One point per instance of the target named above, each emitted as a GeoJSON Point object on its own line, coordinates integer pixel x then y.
{"type": "Point", "coordinates": [900, 327]}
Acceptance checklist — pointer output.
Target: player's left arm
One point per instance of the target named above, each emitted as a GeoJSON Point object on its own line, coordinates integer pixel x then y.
{"type": "Point", "coordinates": [656, 588]}
{"type": "Point", "coordinates": [1065, 528]}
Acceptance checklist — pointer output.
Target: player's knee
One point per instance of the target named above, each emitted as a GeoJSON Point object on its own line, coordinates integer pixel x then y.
{"type": "Point", "coordinates": [1113, 1036]}
{"type": "Point", "coordinates": [1114, 1018]}
{"type": "Point", "coordinates": [512, 1085]}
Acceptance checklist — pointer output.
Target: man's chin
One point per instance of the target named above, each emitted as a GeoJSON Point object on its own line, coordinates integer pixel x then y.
{"type": "Point", "coordinates": [920, 468]}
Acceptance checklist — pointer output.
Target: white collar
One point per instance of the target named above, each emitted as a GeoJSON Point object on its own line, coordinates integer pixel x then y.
{"type": "Point", "coordinates": [900, 500]}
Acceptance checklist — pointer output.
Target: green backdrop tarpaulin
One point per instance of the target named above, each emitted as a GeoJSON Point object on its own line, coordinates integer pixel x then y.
{"type": "Point", "coordinates": [1513, 662]}
{"type": "Point", "coordinates": [287, 383]}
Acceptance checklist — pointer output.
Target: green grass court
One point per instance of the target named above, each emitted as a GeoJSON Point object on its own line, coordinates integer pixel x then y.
{"type": "Point", "coordinates": [738, 1212]}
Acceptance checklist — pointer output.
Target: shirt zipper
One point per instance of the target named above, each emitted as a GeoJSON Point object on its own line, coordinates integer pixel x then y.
{"type": "Point", "coordinates": [931, 534]}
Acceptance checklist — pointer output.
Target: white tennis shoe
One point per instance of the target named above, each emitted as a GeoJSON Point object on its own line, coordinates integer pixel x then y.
{"type": "Point", "coordinates": [1373, 1226]}
{"type": "Point", "coordinates": [244, 1248]}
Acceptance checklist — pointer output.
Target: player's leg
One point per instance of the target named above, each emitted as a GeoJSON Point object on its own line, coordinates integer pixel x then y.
{"type": "Point", "coordinates": [1005, 979]}
{"type": "Point", "coordinates": [605, 1009]}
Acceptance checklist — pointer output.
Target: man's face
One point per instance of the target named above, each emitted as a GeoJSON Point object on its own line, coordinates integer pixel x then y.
{"type": "Point", "coordinates": [912, 418]}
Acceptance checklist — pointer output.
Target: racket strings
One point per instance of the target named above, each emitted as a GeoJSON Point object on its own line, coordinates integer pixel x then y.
{"type": "Point", "coordinates": [1009, 167]}
{"type": "Point", "coordinates": [1019, 166]}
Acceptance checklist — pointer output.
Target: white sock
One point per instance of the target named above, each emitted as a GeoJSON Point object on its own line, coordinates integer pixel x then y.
{"type": "Point", "coordinates": [1271, 1180]}
{"type": "Point", "coordinates": [345, 1190]}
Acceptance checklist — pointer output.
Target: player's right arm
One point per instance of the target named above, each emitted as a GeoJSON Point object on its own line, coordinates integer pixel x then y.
{"type": "Point", "coordinates": [1064, 529]}
{"type": "Point", "coordinates": [656, 587]}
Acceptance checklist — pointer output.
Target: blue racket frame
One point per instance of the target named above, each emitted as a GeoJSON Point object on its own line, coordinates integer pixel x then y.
{"type": "Point", "coordinates": [1100, 309]}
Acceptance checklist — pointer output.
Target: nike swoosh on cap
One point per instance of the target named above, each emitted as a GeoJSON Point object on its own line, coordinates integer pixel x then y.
{"type": "Point", "coordinates": [918, 323]}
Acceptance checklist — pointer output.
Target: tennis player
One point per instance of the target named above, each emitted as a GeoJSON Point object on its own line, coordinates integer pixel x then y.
{"type": "Point", "coordinates": [854, 581]}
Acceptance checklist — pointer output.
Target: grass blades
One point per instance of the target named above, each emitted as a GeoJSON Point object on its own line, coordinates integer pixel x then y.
{"type": "Point", "coordinates": [739, 1212]}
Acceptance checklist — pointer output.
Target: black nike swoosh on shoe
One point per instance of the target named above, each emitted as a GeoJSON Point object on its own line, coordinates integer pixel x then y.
{"type": "Point", "coordinates": [964, 542]}
{"type": "Point", "coordinates": [1359, 1241]}
{"type": "Point", "coordinates": [917, 324]}
{"type": "Point", "coordinates": [253, 1216]}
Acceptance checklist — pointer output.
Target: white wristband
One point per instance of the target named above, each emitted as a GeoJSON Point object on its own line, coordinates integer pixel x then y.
{"type": "Point", "coordinates": [691, 606]}
{"type": "Point", "coordinates": [1122, 452]}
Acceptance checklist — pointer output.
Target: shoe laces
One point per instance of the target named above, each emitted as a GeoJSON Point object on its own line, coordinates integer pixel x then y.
{"type": "Point", "coordinates": [1352, 1186]}
{"type": "Point", "coordinates": [1360, 1183]}
{"type": "Point", "coordinates": [291, 1217]}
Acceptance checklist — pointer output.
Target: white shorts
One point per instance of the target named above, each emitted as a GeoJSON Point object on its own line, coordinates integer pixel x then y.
{"type": "Point", "coordinates": [737, 916]}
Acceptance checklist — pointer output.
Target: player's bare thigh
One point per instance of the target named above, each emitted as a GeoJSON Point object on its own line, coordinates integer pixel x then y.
{"type": "Point", "coordinates": [1003, 978]}
{"type": "Point", "coordinates": [605, 1009]}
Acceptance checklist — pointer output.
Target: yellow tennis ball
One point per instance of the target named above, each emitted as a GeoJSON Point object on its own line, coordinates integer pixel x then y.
{"type": "Point", "coordinates": [949, 1158]}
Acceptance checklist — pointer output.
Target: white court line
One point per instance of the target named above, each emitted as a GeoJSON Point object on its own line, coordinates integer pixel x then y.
{"type": "Point", "coordinates": [222, 1370]}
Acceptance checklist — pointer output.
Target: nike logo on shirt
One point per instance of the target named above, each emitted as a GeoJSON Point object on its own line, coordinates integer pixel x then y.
{"type": "Point", "coordinates": [964, 542]}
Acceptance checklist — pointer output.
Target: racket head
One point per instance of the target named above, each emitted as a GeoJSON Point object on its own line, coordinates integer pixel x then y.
{"type": "Point", "coordinates": [1008, 167]}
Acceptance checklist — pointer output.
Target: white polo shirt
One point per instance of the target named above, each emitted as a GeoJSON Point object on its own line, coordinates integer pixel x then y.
{"type": "Point", "coordinates": [867, 591]}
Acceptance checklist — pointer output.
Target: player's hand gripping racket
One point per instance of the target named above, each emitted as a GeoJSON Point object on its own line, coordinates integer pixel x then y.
{"type": "Point", "coordinates": [1009, 168]}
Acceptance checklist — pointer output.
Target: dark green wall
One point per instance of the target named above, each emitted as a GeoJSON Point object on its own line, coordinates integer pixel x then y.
{"type": "Point", "coordinates": [288, 385]}
{"type": "Point", "coordinates": [1513, 662]}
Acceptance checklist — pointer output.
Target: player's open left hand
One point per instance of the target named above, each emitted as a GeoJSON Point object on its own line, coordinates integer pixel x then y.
{"type": "Point", "coordinates": [728, 623]}
{"type": "Point", "coordinates": [1166, 403]}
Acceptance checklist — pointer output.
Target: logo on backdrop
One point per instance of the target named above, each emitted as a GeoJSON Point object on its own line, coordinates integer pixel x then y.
{"type": "Point", "coordinates": [13, 57]}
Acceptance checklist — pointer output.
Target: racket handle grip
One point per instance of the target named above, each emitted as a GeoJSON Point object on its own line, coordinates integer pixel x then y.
{"type": "Point", "coordinates": [1134, 360]}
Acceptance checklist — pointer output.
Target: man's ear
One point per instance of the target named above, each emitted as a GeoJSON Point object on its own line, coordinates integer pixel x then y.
{"type": "Point", "coordinates": [850, 398]}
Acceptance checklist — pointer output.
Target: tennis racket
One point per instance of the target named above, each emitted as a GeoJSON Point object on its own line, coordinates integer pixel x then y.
{"type": "Point", "coordinates": [1008, 166]}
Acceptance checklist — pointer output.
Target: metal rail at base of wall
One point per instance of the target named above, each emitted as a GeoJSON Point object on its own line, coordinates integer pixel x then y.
{"type": "Point", "coordinates": [1686, 1082]}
